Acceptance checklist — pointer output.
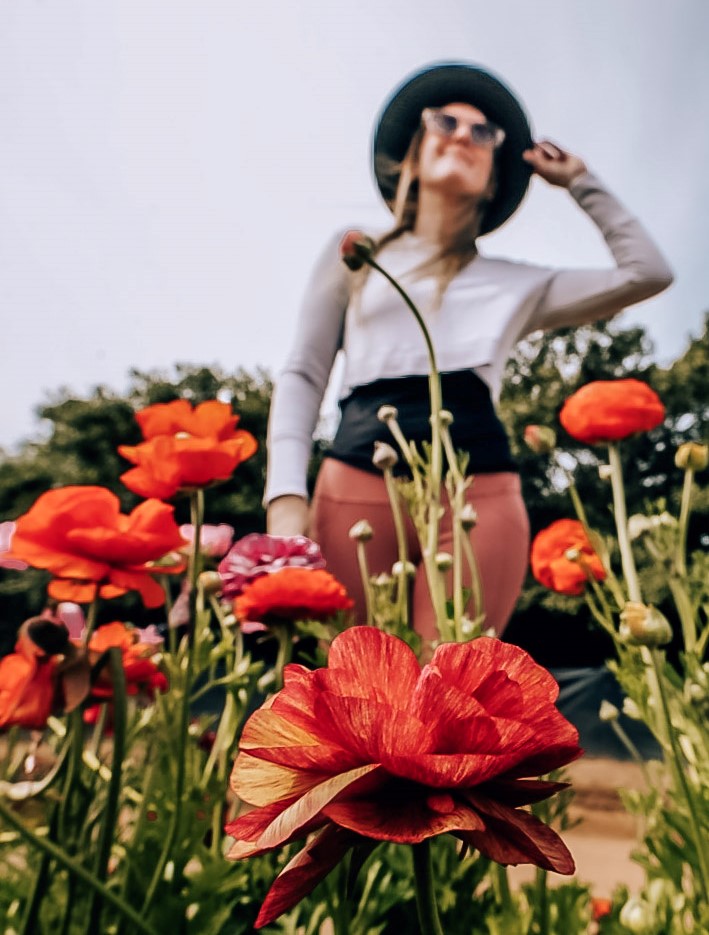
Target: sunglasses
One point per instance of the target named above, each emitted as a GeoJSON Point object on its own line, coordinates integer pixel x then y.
{"type": "Point", "coordinates": [482, 134]}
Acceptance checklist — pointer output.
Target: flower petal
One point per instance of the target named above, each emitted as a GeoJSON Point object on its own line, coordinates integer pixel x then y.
{"type": "Point", "coordinates": [513, 836]}
{"type": "Point", "coordinates": [404, 813]}
{"type": "Point", "coordinates": [302, 874]}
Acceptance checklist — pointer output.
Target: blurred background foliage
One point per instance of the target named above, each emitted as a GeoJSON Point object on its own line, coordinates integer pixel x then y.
{"type": "Point", "coordinates": [78, 439]}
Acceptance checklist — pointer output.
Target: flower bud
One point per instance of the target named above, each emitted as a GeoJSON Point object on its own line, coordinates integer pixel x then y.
{"type": "Point", "coordinates": [631, 710]}
{"type": "Point", "coordinates": [444, 561]}
{"type": "Point", "coordinates": [385, 457]}
{"type": "Point", "coordinates": [445, 418]}
{"type": "Point", "coordinates": [468, 516]}
{"type": "Point", "coordinates": [696, 692]}
{"type": "Point", "coordinates": [387, 413]}
{"type": "Point", "coordinates": [691, 456]}
{"type": "Point", "coordinates": [605, 472]}
{"type": "Point", "coordinates": [408, 568]}
{"type": "Point", "coordinates": [210, 582]}
{"type": "Point", "coordinates": [541, 439]}
{"type": "Point", "coordinates": [608, 712]}
{"type": "Point", "coordinates": [637, 916]}
{"type": "Point", "coordinates": [355, 249]}
{"type": "Point", "coordinates": [638, 525]}
{"type": "Point", "coordinates": [644, 625]}
{"type": "Point", "coordinates": [663, 519]}
{"type": "Point", "coordinates": [361, 531]}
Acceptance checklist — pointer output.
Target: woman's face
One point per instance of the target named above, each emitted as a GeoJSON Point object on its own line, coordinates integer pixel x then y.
{"type": "Point", "coordinates": [455, 165]}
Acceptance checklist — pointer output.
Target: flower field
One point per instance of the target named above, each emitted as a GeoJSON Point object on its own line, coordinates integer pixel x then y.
{"type": "Point", "coordinates": [262, 760]}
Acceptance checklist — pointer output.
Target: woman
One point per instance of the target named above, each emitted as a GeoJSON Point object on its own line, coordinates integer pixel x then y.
{"type": "Point", "coordinates": [453, 154]}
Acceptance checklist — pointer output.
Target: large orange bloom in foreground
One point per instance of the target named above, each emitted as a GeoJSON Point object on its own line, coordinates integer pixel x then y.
{"type": "Point", "coordinates": [374, 747]}
{"type": "Point", "coordinates": [28, 685]}
{"type": "Point", "coordinates": [292, 594]}
{"type": "Point", "coordinates": [610, 410]}
{"type": "Point", "coordinates": [80, 535]}
{"type": "Point", "coordinates": [553, 569]}
{"type": "Point", "coordinates": [185, 448]}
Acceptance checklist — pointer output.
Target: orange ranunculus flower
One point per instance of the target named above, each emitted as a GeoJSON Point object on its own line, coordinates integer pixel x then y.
{"type": "Point", "coordinates": [141, 671]}
{"type": "Point", "coordinates": [28, 685]}
{"type": "Point", "coordinates": [80, 535]}
{"type": "Point", "coordinates": [600, 907]}
{"type": "Point", "coordinates": [185, 448]}
{"type": "Point", "coordinates": [610, 410]}
{"type": "Point", "coordinates": [292, 594]}
{"type": "Point", "coordinates": [553, 569]}
{"type": "Point", "coordinates": [375, 748]}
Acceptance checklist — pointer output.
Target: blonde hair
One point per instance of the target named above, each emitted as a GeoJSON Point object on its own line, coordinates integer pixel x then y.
{"type": "Point", "coordinates": [460, 246]}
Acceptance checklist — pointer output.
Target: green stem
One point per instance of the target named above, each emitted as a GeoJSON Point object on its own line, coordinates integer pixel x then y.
{"type": "Point", "coordinates": [679, 572]}
{"type": "Point", "coordinates": [29, 922]}
{"type": "Point", "coordinates": [621, 522]}
{"type": "Point", "coordinates": [685, 612]}
{"type": "Point", "coordinates": [110, 813]}
{"type": "Point", "coordinates": [91, 616]}
{"type": "Point", "coordinates": [700, 839]}
{"type": "Point", "coordinates": [476, 584]}
{"type": "Point", "coordinates": [197, 515]}
{"type": "Point", "coordinates": [402, 593]}
{"type": "Point", "coordinates": [501, 885]}
{"type": "Point", "coordinates": [364, 574]}
{"type": "Point", "coordinates": [542, 900]}
{"type": "Point", "coordinates": [284, 635]}
{"type": "Point", "coordinates": [429, 921]}
{"type": "Point", "coordinates": [430, 545]}
{"type": "Point", "coordinates": [75, 740]}
{"type": "Point", "coordinates": [681, 552]}
{"type": "Point", "coordinates": [74, 867]}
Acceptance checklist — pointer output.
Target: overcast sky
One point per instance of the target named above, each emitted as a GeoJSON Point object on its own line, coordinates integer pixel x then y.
{"type": "Point", "coordinates": [169, 170]}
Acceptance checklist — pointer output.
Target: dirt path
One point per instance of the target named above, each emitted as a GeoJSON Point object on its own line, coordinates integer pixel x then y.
{"type": "Point", "coordinates": [602, 843]}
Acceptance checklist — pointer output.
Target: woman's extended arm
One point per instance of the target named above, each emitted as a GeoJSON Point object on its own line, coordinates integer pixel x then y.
{"type": "Point", "coordinates": [300, 389]}
{"type": "Point", "coordinates": [578, 296]}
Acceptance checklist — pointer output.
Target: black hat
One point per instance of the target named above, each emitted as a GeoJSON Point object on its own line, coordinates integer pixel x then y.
{"type": "Point", "coordinates": [448, 83]}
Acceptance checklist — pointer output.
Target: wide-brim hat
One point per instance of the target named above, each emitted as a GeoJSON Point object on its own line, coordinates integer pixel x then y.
{"type": "Point", "coordinates": [447, 83]}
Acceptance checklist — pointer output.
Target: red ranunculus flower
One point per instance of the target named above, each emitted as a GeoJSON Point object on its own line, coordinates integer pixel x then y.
{"type": "Point", "coordinates": [553, 569]}
{"type": "Point", "coordinates": [260, 554]}
{"type": "Point", "coordinates": [185, 448]}
{"type": "Point", "coordinates": [374, 747]}
{"type": "Point", "coordinates": [142, 673]}
{"type": "Point", "coordinates": [28, 685]}
{"type": "Point", "coordinates": [610, 410]}
{"type": "Point", "coordinates": [355, 249]}
{"type": "Point", "coordinates": [80, 535]}
{"type": "Point", "coordinates": [292, 594]}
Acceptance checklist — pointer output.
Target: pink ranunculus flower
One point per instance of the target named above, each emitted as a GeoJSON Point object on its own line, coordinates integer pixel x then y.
{"type": "Point", "coordinates": [260, 554]}
{"type": "Point", "coordinates": [214, 541]}
{"type": "Point", "coordinates": [6, 531]}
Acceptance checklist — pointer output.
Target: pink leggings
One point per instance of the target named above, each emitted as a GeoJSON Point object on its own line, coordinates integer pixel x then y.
{"type": "Point", "coordinates": [500, 539]}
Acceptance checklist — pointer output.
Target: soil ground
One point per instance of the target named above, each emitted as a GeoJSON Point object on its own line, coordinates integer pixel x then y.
{"type": "Point", "coordinates": [602, 842]}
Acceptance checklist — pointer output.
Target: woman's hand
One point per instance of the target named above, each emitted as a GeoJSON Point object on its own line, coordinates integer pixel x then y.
{"type": "Point", "coordinates": [287, 516]}
{"type": "Point", "coordinates": [554, 164]}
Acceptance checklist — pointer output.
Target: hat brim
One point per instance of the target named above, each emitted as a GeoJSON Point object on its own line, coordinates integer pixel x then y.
{"type": "Point", "coordinates": [456, 82]}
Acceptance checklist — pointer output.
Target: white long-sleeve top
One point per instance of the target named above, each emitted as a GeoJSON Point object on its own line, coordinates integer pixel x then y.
{"type": "Point", "coordinates": [488, 306]}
